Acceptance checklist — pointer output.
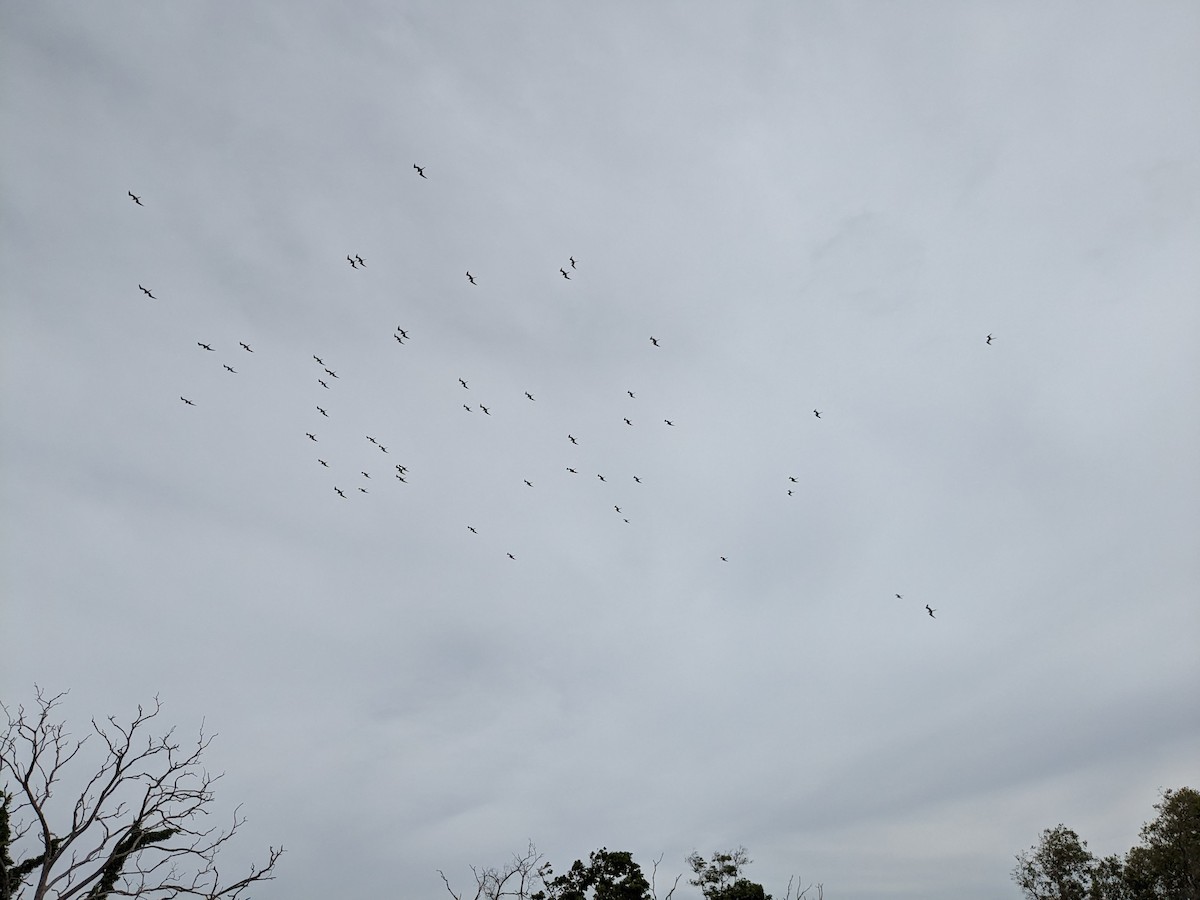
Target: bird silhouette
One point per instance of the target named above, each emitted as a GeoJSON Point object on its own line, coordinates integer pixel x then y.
{"type": "Point", "coordinates": [470, 278]}
{"type": "Point", "coordinates": [360, 260]}
{"type": "Point", "coordinates": [187, 401]}
{"type": "Point", "coordinates": [399, 340]}
{"type": "Point", "coordinates": [350, 260]}
{"type": "Point", "coordinates": [723, 559]}
{"type": "Point", "coordinates": [472, 530]}
{"type": "Point", "coordinates": [601, 477]}
{"type": "Point", "coordinates": [331, 373]}
{"type": "Point", "coordinates": [529, 395]}
{"type": "Point", "coordinates": [371, 439]}
{"type": "Point", "coordinates": [989, 338]}
{"type": "Point", "coordinates": [899, 597]}
{"type": "Point", "coordinates": [401, 469]}
{"type": "Point", "coordinates": [630, 393]}
{"type": "Point", "coordinates": [669, 422]}
{"type": "Point", "coordinates": [792, 479]}
{"type": "Point", "coordinates": [322, 462]}
{"type": "Point", "coordinates": [467, 408]}
{"type": "Point", "coordinates": [205, 346]}
{"type": "Point", "coordinates": [463, 383]}
{"type": "Point", "coordinates": [403, 333]}
{"type": "Point", "coordinates": [571, 437]}
{"type": "Point", "coordinates": [311, 436]}
{"type": "Point", "coordinates": [510, 556]}
{"type": "Point", "coordinates": [572, 471]}
{"type": "Point", "coordinates": [485, 409]}
{"type": "Point", "coordinates": [146, 291]}
{"type": "Point", "coordinates": [136, 198]}
{"type": "Point", "coordinates": [320, 362]}
{"type": "Point", "coordinates": [564, 274]}
{"type": "Point", "coordinates": [572, 259]}
{"type": "Point", "coordinates": [931, 611]}
{"type": "Point", "coordinates": [339, 492]}
{"type": "Point", "coordinates": [627, 422]}
{"type": "Point", "coordinates": [322, 384]}
{"type": "Point", "coordinates": [638, 480]}
{"type": "Point", "coordinates": [231, 369]}
{"type": "Point", "coordinates": [363, 490]}
{"type": "Point", "coordinates": [322, 412]}
{"type": "Point", "coordinates": [528, 482]}
{"type": "Point", "coordinates": [617, 508]}
{"type": "Point", "coordinates": [789, 492]}
{"type": "Point", "coordinates": [402, 478]}
{"type": "Point", "coordinates": [364, 474]}
{"type": "Point", "coordinates": [382, 449]}
{"type": "Point", "coordinates": [817, 414]}
{"type": "Point", "coordinates": [245, 347]}
{"type": "Point", "coordinates": [654, 341]}
{"type": "Point", "coordinates": [420, 170]}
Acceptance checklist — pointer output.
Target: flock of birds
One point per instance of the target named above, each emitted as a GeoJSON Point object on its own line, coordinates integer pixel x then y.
{"type": "Point", "coordinates": [402, 336]}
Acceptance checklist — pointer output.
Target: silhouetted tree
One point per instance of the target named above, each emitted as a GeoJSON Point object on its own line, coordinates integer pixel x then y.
{"type": "Point", "coordinates": [129, 832]}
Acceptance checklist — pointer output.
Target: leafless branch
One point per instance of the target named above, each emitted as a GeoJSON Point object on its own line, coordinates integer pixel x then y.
{"type": "Point", "coordinates": [131, 830]}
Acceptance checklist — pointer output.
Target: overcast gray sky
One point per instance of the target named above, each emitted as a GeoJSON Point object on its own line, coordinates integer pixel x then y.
{"type": "Point", "coordinates": [819, 206]}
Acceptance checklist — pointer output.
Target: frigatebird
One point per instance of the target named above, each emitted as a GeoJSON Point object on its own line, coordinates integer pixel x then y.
{"type": "Point", "coordinates": [723, 559]}
{"type": "Point", "coordinates": [638, 480]}
{"type": "Point", "coordinates": [472, 530]}
{"type": "Point", "coordinates": [627, 422]}
{"type": "Point", "coordinates": [602, 478]}
{"type": "Point", "coordinates": [364, 475]}
{"type": "Point", "coordinates": [420, 170]}
{"type": "Point", "coordinates": [669, 422]}
{"type": "Point", "coordinates": [467, 408]}
{"type": "Point", "coordinates": [572, 259]}
{"type": "Point", "coordinates": [382, 448]}
{"type": "Point", "coordinates": [136, 198]}
{"type": "Point", "coordinates": [399, 340]}
{"type": "Point", "coordinates": [146, 292]}
{"type": "Point", "coordinates": [571, 438]}
{"type": "Point", "coordinates": [205, 346]}
{"type": "Point", "coordinates": [350, 260]}
{"type": "Point", "coordinates": [564, 274]}
{"type": "Point", "coordinates": [311, 436]}
{"type": "Point", "coordinates": [360, 260]}
{"type": "Point", "coordinates": [322, 462]}
{"type": "Point", "coordinates": [245, 347]}
{"type": "Point", "coordinates": [364, 490]}
{"type": "Point", "coordinates": [617, 508]}
{"type": "Point", "coordinates": [789, 492]}
{"type": "Point", "coordinates": [187, 401]}
{"type": "Point", "coordinates": [630, 393]}
{"type": "Point", "coordinates": [401, 469]}
{"type": "Point", "coordinates": [339, 492]}
{"type": "Point", "coordinates": [230, 369]}
{"type": "Point", "coordinates": [322, 384]}
{"type": "Point", "coordinates": [331, 373]}
{"type": "Point", "coordinates": [899, 597]}
{"type": "Point", "coordinates": [463, 383]}
{"type": "Point", "coordinates": [372, 440]}
{"type": "Point", "coordinates": [989, 338]}
{"type": "Point", "coordinates": [931, 611]}
{"type": "Point", "coordinates": [654, 341]}
{"type": "Point", "coordinates": [401, 477]}
{"type": "Point", "coordinates": [403, 333]}
{"type": "Point", "coordinates": [470, 278]}
{"type": "Point", "coordinates": [322, 412]}
{"type": "Point", "coordinates": [510, 556]}
{"type": "Point", "coordinates": [529, 395]}
{"type": "Point", "coordinates": [527, 481]}
{"type": "Point", "coordinates": [485, 409]}
{"type": "Point", "coordinates": [320, 362]}
{"type": "Point", "coordinates": [572, 471]}
{"type": "Point", "coordinates": [817, 414]}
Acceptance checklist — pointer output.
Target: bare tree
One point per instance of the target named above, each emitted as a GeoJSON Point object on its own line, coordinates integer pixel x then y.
{"type": "Point", "coordinates": [516, 879]}
{"type": "Point", "coordinates": [132, 830]}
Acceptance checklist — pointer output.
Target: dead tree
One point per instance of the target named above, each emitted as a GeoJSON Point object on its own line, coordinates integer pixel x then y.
{"type": "Point", "coordinates": [132, 829]}
{"type": "Point", "coordinates": [516, 879]}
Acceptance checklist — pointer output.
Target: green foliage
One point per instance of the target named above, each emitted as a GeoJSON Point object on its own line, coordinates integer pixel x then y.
{"type": "Point", "coordinates": [131, 842]}
{"type": "Point", "coordinates": [1164, 866]}
{"type": "Point", "coordinates": [607, 876]}
{"type": "Point", "coordinates": [12, 875]}
{"type": "Point", "coordinates": [721, 877]}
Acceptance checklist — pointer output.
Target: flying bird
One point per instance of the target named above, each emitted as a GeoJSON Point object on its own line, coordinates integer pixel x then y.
{"type": "Point", "coordinates": [817, 414]}
{"type": "Point", "coordinates": [205, 346]}
{"type": "Point", "coordinates": [372, 440]}
{"type": "Point", "coordinates": [382, 448]}
{"type": "Point", "coordinates": [572, 471]}
{"type": "Point", "coordinates": [230, 369]}
{"type": "Point", "coordinates": [399, 340]}
{"type": "Point", "coordinates": [402, 478]}
{"type": "Point", "coordinates": [789, 492]}
{"type": "Point", "coordinates": [723, 559]}
{"type": "Point", "coordinates": [245, 347]}
{"type": "Point", "coordinates": [470, 278]}
{"type": "Point", "coordinates": [322, 462]}
{"type": "Point", "coordinates": [571, 437]}
{"type": "Point", "coordinates": [401, 469]}
{"type": "Point", "coordinates": [187, 401]}
{"type": "Point", "coordinates": [669, 422]}
{"type": "Point", "coordinates": [322, 384]}
{"type": "Point", "coordinates": [403, 333]}
{"type": "Point", "coordinates": [654, 341]}
{"type": "Point", "coordinates": [463, 383]}
{"type": "Point", "coordinates": [320, 362]}
{"type": "Point", "coordinates": [339, 492]}
{"type": "Point", "coordinates": [467, 408]}
{"type": "Point", "coordinates": [572, 261]}
{"type": "Point", "coordinates": [364, 490]}
{"type": "Point", "coordinates": [638, 480]}
{"type": "Point", "coordinates": [527, 481]}
{"type": "Point", "coordinates": [360, 259]}
{"type": "Point", "coordinates": [529, 395]}
{"type": "Point", "coordinates": [472, 530]}
{"type": "Point", "coordinates": [364, 475]}
{"type": "Point", "coordinates": [485, 409]}
{"type": "Point", "coordinates": [899, 597]}
{"type": "Point", "coordinates": [989, 338]}
{"type": "Point", "coordinates": [136, 198]}
{"type": "Point", "coordinates": [630, 393]}
{"type": "Point", "coordinates": [601, 477]}
{"type": "Point", "coordinates": [350, 260]}
{"type": "Point", "coordinates": [627, 422]}
{"type": "Point", "coordinates": [311, 436]}
{"type": "Point", "coordinates": [510, 556]}
{"type": "Point", "coordinates": [564, 274]}
{"type": "Point", "coordinates": [322, 412]}
{"type": "Point", "coordinates": [146, 292]}
{"type": "Point", "coordinates": [931, 611]}
{"type": "Point", "coordinates": [420, 170]}
{"type": "Point", "coordinates": [331, 373]}
{"type": "Point", "coordinates": [617, 508]}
